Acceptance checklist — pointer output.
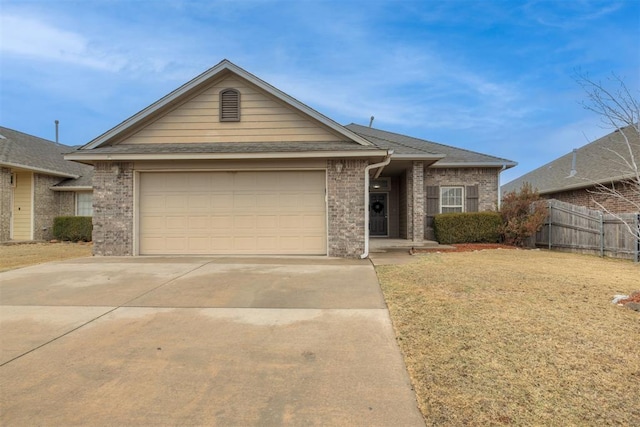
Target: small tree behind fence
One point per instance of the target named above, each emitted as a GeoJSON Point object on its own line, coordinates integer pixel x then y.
{"type": "Point", "coordinates": [578, 229]}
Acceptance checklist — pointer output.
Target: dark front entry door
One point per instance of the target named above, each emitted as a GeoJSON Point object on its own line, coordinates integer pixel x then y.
{"type": "Point", "coordinates": [378, 214]}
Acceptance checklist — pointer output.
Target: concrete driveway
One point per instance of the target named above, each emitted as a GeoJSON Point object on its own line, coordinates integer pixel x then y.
{"type": "Point", "coordinates": [200, 341]}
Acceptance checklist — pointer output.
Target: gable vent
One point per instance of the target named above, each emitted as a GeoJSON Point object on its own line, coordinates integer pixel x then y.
{"type": "Point", "coordinates": [230, 105]}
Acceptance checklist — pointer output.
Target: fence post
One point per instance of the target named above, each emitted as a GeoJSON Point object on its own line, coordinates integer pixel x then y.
{"type": "Point", "coordinates": [601, 235]}
{"type": "Point", "coordinates": [550, 213]}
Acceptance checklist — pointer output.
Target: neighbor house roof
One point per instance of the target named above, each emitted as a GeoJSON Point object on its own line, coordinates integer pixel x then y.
{"type": "Point", "coordinates": [23, 151]}
{"type": "Point", "coordinates": [599, 162]}
{"type": "Point", "coordinates": [406, 147]}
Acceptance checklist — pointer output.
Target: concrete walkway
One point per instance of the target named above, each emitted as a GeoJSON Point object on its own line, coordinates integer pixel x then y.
{"type": "Point", "coordinates": [200, 341]}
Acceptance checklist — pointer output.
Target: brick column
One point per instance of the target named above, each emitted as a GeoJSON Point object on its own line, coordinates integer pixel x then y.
{"type": "Point", "coordinates": [113, 209]}
{"type": "Point", "coordinates": [416, 192]}
{"type": "Point", "coordinates": [345, 203]}
{"type": "Point", "coordinates": [5, 203]}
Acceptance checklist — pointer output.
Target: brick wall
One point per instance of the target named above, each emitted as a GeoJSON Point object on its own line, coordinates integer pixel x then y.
{"type": "Point", "coordinates": [5, 204]}
{"type": "Point", "coordinates": [402, 211]}
{"type": "Point", "coordinates": [46, 206]}
{"type": "Point", "coordinates": [66, 202]}
{"type": "Point", "coordinates": [345, 200]}
{"type": "Point", "coordinates": [485, 178]}
{"type": "Point", "coordinates": [113, 209]}
{"type": "Point", "coordinates": [418, 205]}
{"type": "Point", "coordinates": [589, 197]}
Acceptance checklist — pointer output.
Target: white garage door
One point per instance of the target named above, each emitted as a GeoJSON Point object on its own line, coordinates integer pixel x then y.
{"type": "Point", "coordinates": [232, 213]}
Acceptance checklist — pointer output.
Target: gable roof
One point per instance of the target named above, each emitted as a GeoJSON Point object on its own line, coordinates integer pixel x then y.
{"type": "Point", "coordinates": [193, 86]}
{"type": "Point", "coordinates": [24, 151]}
{"type": "Point", "coordinates": [595, 163]}
{"type": "Point", "coordinates": [407, 147]}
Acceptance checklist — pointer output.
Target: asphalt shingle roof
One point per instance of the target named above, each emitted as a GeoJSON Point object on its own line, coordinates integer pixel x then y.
{"type": "Point", "coordinates": [403, 144]}
{"type": "Point", "coordinates": [21, 150]}
{"type": "Point", "coordinates": [596, 162]}
{"type": "Point", "coordinates": [235, 147]}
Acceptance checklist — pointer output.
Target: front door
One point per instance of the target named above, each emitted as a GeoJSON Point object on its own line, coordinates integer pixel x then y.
{"type": "Point", "coordinates": [378, 214]}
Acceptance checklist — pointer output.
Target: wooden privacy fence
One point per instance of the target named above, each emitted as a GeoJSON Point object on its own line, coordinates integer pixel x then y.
{"type": "Point", "coordinates": [578, 229]}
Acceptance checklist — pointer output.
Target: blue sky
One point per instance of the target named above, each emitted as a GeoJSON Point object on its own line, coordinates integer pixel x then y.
{"type": "Point", "coordinates": [496, 77]}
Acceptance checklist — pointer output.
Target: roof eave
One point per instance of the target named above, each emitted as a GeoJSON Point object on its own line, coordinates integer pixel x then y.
{"type": "Point", "coordinates": [505, 165]}
{"type": "Point", "coordinates": [72, 188]}
{"type": "Point", "coordinates": [89, 157]}
{"type": "Point", "coordinates": [586, 184]}
{"type": "Point", "coordinates": [417, 156]}
{"type": "Point", "coordinates": [39, 170]}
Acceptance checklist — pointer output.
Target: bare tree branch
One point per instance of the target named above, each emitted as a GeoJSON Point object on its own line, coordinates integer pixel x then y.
{"type": "Point", "coordinates": [619, 109]}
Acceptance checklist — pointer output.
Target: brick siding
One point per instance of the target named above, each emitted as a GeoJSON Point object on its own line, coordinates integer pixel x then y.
{"type": "Point", "coordinates": [403, 211]}
{"type": "Point", "coordinates": [345, 200]}
{"type": "Point", "coordinates": [485, 178]}
{"type": "Point", "coordinates": [5, 204]}
{"type": "Point", "coordinates": [418, 205]}
{"type": "Point", "coordinates": [589, 196]}
{"type": "Point", "coordinates": [67, 203]}
{"type": "Point", "coordinates": [113, 209]}
{"type": "Point", "coordinates": [46, 205]}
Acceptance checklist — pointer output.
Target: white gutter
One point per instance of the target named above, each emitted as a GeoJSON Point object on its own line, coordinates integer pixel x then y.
{"type": "Point", "coordinates": [380, 165]}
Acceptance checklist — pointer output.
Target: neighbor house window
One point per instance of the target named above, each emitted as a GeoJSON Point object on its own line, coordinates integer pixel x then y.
{"type": "Point", "coordinates": [451, 199]}
{"type": "Point", "coordinates": [230, 105]}
{"type": "Point", "coordinates": [84, 204]}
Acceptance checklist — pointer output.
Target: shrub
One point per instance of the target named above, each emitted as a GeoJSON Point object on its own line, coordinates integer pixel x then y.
{"type": "Point", "coordinates": [73, 228]}
{"type": "Point", "coordinates": [523, 215]}
{"type": "Point", "coordinates": [469, 227]}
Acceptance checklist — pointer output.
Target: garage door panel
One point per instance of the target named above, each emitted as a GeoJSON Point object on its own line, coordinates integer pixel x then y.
{"type": "Point", "coordinates": [280, 212]}
{"type": "Point", "coordinates": [221, 222]}
{"type": "Point", "coordinates": [314, 221]}
{"type": "Point", "coordinates": [199, 202]}
{"type": "Point", "coordinates": [199, 245]}
{"type": "Point", "coordinates": [200, 223]}
{"type": "Point", "coordinates": [267, 223]}
{"type": "Point", "coordinates": [174, 223]}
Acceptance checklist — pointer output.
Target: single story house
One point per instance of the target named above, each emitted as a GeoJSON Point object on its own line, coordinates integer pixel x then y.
{"type": "Point", "coordinates": [577, 176]}
{"type": "Point", "coordinates": [37, 184]}
{"type": "Point", "coordinates": [228, 164]}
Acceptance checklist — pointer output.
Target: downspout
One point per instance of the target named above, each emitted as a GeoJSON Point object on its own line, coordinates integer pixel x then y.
{"type": "Point", "coordinates": [380, 165]}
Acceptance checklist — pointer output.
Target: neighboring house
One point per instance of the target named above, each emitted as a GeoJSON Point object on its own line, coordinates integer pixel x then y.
{"type": "Point", "coordinates": [37, 184]}
{"type": "Point", "coordinates": [228, 164]}
{"type": "Point", "coordinates": [575, 177]}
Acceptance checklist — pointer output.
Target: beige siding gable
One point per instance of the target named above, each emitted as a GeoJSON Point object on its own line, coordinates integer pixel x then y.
{"type": "Point", "coordinates": [263, 118]}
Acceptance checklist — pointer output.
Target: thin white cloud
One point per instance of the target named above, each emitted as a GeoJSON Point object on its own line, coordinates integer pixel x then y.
{"type": "Point", "coordinates": [24, 36]}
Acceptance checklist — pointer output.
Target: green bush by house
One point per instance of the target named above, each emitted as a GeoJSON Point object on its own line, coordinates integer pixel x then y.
{"type": "Point", "coordinates": [469, 227]}
{"type": "Point", "coordinates": [73, 228]}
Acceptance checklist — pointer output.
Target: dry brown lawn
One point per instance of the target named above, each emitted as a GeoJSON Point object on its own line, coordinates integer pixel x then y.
{"type": "Point", "coordinates": [23, 255]}
{"type": "Point", "coordinates": [518, 337]}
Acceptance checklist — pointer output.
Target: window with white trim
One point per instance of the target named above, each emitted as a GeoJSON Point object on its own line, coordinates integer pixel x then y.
{"type": "Point", "coordinates": [451, 199]}
{"type": "Point", "coordinates": [84, 203]}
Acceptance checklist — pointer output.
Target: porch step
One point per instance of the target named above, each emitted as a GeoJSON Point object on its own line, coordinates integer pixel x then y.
{"type": "Point", "coordinates": [387, 245]}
